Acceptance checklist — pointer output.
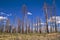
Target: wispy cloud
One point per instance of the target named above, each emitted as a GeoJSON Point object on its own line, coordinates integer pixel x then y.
{"type": "Point", "coordinates": [2, 13]}
{"type": "Point", "coordinates": [9, 14]}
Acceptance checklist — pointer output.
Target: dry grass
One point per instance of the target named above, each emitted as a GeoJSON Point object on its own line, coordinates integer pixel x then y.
{"type": "Point", "coordinates": [51, 36]}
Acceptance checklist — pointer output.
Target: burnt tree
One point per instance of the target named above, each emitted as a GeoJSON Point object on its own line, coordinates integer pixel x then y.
{"type": "Point", "coordinates": [46, 17]}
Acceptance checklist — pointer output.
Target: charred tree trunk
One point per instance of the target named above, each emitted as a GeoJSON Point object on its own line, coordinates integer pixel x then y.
{"type": "Point", "coordinates": [54, 8]}
{"type": "Point", "coordinates": [39, 26]}
{"type": "Point", "coordinates": [29, 27]}
{"type": "Point", "coordinates": [7, 26]}
{"type": "Point", "coordinates": [46, 17]}
{"type": "Point", "coordinates": [24, 11]}
{"type": "Point", "coordinates": [22, 28]}
{"type": "Point", "coordinates": [19, 24]}
{"type": "Point", "coordinates": [51, 19]}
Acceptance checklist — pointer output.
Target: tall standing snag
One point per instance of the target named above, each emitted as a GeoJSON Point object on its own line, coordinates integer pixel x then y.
{"type": "Point", "coordinates": [46, 16]}
{"type": "Point", "coordinates": [51, 19]}
{"type": "Point", "coordinates": [19, 24]}
{"type": "Point", "coordinates": [39, 25]}
{"type": "Point", "coordinates": [24, 11]}
{"type": "Point", "coordinates": [54, 8]}
{"type": "Point", "coordinates": [7, 25]}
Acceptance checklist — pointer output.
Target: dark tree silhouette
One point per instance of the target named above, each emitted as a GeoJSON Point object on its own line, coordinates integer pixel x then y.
{"type": "Point", "coordinates": [19, 25]}
{"type": "Point", "coordinates": [54, 8]}
{"type": "Point", "coordinates": [46, 17]}
{"type": "Point", "coordinates": [7, 25]}
{"type": "Point", "coordinates": [24, 11]}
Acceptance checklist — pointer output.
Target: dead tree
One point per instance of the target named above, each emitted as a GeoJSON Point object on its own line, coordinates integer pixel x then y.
{"type": "Point", "coordinates": [19, 24]}
{"type": "Point", "coordinates": [22, 27]}
{"type": "Point", "coordinates": [28, 26]}
{"type": "Point", "coordinates": [16, 22]}
{"type": "Point", "coordinates": [24, 11]}
{"type": "Point", "coordinates": [46, 17]}
{"type": "Point", "coordinates": [39, 25]}
{"type": "Point", "coordinates": [54, 8]}
{"type": "Point", "coordinates": [51, 18]}
{"type": "Point", "coordinates": [7, 25]}
{"type": "Point", "coordinates": [32, 26]}
{"type": "Point", "coordinates": [35, 28]}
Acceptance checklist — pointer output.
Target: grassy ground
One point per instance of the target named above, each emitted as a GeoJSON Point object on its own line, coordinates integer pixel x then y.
{"type": "Point", "coordinates": [18, 36]}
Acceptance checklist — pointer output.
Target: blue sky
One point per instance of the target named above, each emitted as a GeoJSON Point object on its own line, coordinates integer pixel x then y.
{"type": "Point", "coordinates": [33, 6]}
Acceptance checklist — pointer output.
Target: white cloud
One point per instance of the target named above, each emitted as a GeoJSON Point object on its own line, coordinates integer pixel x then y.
{"type": "Point", "coordinates": [2, 18]}
{"type": "Point", "coordinates": [29, 13]}
{"type": "Point", "coordinates": [58, 22]}
{"type": "Point", "coordinates": [52, 19]}
{"type": "Point", "coordinates": [39, 24]}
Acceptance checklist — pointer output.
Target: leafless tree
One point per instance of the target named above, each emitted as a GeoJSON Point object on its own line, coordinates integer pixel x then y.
{"type": "Point", "coordinates": [46, 17]}
{"type": "Point", "coordinates": [51, 25]}
{"type": "Point", "coordinates": [24, 11]}
{"type": "Point", "coordinates": [7, 25]}
{"type": "Point", "coordinates": [54, 8]}
{"type": "Point", "coordinates": [40, 25]}
{"type": "Point", "coordinates": [37, 23]}
{"type": "Point", "coordinates": [19, 25]}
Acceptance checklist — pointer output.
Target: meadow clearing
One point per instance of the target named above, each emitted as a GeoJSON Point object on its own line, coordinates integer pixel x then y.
{"type": "Point", "coordinates": [18, 36]}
